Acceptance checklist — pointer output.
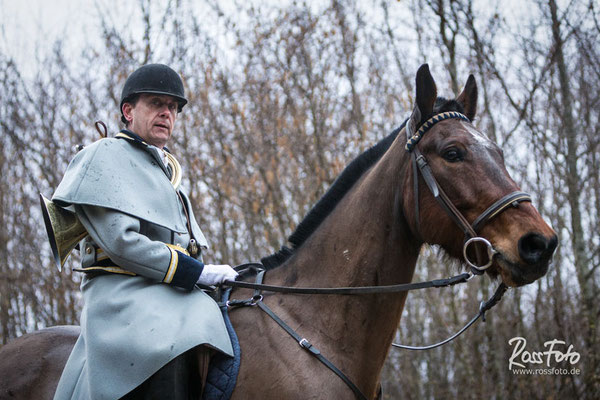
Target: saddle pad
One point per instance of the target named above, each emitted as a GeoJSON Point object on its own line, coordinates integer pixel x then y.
{"type": "Point", "coordinates": [223, 370]}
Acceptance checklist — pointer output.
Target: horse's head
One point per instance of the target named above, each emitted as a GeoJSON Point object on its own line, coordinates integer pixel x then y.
{"type": "Point", "coordinates": [470, 169]}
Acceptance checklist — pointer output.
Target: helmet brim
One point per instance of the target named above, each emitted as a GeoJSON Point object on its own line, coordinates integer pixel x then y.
{"type": "Point", "coordinates": [182, 101]}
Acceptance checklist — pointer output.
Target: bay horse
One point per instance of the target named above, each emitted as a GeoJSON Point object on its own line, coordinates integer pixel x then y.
{"type": "Point", "coordinates": [367, 230]}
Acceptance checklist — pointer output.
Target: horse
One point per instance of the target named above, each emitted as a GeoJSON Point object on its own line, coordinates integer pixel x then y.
{"type": "Point", "coordinates": [367, 230]}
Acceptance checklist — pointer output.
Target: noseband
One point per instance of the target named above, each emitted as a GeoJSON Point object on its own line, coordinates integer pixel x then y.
{"type": "Point", "coordinates": [470, 229]}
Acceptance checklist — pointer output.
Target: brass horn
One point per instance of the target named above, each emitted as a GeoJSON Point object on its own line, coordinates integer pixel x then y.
{"type": "Point", "coordinates": [64, 230]}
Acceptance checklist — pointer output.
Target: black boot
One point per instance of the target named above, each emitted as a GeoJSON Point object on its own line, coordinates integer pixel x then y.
{"type": "Point", "coordinates": [177, 380]}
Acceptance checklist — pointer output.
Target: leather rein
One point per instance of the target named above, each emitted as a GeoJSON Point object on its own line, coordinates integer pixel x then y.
{"type": "Point", "coordinates": [477, 267]}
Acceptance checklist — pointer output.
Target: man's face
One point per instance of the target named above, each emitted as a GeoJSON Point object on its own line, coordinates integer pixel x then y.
{"type": "Point", "coordinates": [152, 118]}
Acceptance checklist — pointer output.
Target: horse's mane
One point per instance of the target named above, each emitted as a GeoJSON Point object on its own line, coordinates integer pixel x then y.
{"type": "Point", "coordinates": [344, 182]}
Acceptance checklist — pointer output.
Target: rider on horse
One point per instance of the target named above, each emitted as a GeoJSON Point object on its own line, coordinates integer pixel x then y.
{"type": "Point", "coordinates": [146, 330]}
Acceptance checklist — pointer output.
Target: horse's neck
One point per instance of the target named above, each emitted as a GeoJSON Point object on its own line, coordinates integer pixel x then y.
{"type": "Point", "coordinates": [363, 242]}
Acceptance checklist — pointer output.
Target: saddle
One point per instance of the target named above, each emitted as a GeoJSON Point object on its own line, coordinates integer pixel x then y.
{"type": "Point", "coordinates": [223, 370]}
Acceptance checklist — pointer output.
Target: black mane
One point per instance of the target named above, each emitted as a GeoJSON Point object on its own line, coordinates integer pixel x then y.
{"type": "Point", "coordinates": [344, 182]}
{"type": "Point", "coordinates": [330, 199]}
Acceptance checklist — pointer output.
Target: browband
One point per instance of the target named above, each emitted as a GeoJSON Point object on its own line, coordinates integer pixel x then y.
{"type": "Point", "coordinates": [412, 141]}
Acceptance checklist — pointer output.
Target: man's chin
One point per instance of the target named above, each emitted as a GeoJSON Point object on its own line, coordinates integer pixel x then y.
{"type": "Point", "coordinates": [159, 138]}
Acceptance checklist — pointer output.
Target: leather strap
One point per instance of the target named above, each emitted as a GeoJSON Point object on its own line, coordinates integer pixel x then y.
{"type": "Point", "coordinates": [416, 194]}
{"type": "Point", "coordinates": [414, 138]}
{"type": "Point", "coordinates": [512, 199]}
{"type": "Point", "coordinates": [408, 131]}
{"type": "Point", "coordinates": [312, 350]}
{"type": "Point", "coordinates": [193, 244]}
{"type": "Point", "coordinates": [257, 298]}
{"type": "Point", "coordinates": [303, 342]}
{"type": "Point", "coordinates": [483, 307]}
{"type": "Point", "coordinates": [438, 283]}
{"type": "Point", "coordinates": [440, 196]}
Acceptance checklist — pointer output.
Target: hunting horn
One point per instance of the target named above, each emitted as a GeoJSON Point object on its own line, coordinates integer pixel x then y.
{"type": "Point", "coordinates": [64, 230]}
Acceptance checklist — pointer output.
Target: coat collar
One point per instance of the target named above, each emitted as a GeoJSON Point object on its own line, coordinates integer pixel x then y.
{"type": "Point", "coordinates": [153, 150]}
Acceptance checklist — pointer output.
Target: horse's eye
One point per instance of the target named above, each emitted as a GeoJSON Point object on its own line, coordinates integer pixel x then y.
{"type": "Point", "coordinates": [452, 155]}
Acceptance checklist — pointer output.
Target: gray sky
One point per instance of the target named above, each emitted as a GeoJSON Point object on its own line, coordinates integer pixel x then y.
{"type": "Point", "coordinates": [37, 23]}
{"type": "Point", "coordinates": [28, 28]}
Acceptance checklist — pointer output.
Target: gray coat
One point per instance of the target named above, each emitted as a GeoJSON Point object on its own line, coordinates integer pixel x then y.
{"type": "Point", "coordinates": [142, 310]}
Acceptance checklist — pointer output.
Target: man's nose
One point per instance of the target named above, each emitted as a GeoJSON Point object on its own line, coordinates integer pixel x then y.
{"type": "Point", "coordinates": [164, 110]}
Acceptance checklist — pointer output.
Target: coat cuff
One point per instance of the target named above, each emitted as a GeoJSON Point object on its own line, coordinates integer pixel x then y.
{"type": "Point", "coordinates": [183, 270]}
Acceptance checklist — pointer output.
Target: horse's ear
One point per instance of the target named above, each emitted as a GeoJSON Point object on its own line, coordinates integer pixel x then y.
{"type": "Point", "coordinates": [468, 98]}
{"type": "Point", "coordinates": [426, 94]}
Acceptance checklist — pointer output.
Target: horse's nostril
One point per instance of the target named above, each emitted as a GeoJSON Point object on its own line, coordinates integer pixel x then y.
{"type": "Point", "coordinates": [534, 248]}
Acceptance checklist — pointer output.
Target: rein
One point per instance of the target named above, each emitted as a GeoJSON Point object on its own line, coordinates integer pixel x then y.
{"type": "Point", "coordinates": [478, 266]}
{"type": "Point", "coordinates": [257, 301]}
{"type": "Point", "coordinates": [355, 290]}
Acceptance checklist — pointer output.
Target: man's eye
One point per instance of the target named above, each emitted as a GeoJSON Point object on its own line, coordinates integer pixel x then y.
{"type": "Point", "coordinates": [172, 107]}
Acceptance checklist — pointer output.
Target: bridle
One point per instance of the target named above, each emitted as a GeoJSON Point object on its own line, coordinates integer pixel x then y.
{"type": "Point", "coordinates": [419, 163]}
{"type": "Point", "coordinates": [478, 266]}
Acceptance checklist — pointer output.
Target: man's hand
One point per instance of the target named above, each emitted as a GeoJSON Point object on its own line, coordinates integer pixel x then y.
{"type": "Point", "coordinates": [215, 274]}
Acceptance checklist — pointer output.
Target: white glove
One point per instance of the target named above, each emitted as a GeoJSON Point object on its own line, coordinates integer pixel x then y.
{"type": "Point", "coordinates": [214, 274]}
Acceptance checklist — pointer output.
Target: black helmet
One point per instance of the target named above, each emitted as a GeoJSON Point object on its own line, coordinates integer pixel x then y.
{"type": "Point", "coordinates": [153, 78]}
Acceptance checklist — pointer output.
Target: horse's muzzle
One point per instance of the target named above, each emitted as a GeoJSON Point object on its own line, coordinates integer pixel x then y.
{"type": "Point", "coordinates": [535, 252]}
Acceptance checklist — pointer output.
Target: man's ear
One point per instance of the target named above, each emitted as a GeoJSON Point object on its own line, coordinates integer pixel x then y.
{"type": "Point", "coordinates": [127, 111]}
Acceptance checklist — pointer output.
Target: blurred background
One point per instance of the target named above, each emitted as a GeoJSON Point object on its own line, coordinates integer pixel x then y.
{"type": "Point", "coordinates": [282, 96]}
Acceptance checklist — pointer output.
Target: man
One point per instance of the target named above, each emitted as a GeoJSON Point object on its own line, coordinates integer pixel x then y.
{"type": "Point", "coordinates": [145, 329]}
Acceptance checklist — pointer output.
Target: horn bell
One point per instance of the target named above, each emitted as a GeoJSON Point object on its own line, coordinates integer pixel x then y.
{"type": "Point", "coordinates": [63, 228]}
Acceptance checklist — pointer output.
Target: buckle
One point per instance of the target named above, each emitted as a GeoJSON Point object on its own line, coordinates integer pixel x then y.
{"type": "Point", "coordinates": [193, 248]}
{"type": "Point", "coordinates": [421, 161]}
{"type": "Point", "coordinates": [305, 344]}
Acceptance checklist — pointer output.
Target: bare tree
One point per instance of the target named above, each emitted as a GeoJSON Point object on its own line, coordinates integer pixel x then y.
{"type": "Point", "coordinates": [281, 99]}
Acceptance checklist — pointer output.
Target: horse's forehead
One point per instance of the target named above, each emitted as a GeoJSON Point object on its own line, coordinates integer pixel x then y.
{"type": "Point", "coordinates": [477, 136]}
{"type": "Point", "coordinates": [464, 131]}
